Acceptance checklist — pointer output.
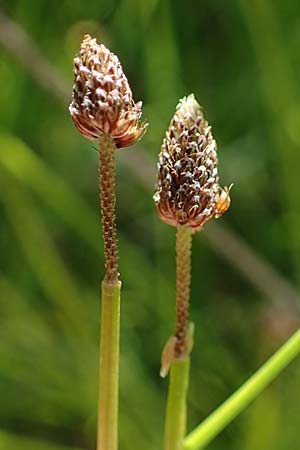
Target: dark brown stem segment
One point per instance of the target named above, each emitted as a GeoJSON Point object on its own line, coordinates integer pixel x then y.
{"type": "Point", "coordinates": [183, 281]}
{"type": "Point", "coordinates": [107, 186]}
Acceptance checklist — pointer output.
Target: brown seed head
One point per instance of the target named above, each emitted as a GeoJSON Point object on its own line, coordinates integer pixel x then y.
{"type": "Point", "coordinates": [188, 191]}
{"type": "Point", "coordinates": [102, 99]}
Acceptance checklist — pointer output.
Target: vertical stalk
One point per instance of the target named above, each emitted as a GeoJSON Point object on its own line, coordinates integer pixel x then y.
{"type": "Point", "coordinates": [176, 404]}
{"type": "Point", "coordinates": [109, 367]}
{"type": "Point", "coordinates": [180, 366]}
{"type": "Point", "coordinates": [107, 187]}
{"type": "Point", "coordinates": [110, 310]}
{"type": "Point", "coordinates": [183, 282]}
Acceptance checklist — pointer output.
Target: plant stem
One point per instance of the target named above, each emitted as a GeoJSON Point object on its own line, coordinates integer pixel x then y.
{"type": "Point", "coordinates": [176, 405]}
{"type": "Point", "coordinates": [183, 281]}
{"type": "Point", "coordinates": [110, 310]}
{"type": "Point", "coordinates": [180, 364]}
{"type": "Point", "coordinates": [107, 187]}
{"type": "Point", "coordinates": [109, 367]}
{"type": "Point", "coordinates": [231, 408]}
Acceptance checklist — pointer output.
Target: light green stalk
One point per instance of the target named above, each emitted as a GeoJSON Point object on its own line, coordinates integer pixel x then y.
{"type": "Point", "coordinates": [109, 367]}
{"type": "Point", "coordinates": [176, 406]}
{"type": "Point", "coordinates": [231, 408]}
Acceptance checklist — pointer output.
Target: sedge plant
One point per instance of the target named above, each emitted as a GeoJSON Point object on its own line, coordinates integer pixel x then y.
{"type": "Point", "coordinates": [103, 109]}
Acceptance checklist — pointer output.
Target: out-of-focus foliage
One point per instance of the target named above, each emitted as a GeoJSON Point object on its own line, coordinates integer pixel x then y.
{"type": "Point", "coordinates": [241, 59]}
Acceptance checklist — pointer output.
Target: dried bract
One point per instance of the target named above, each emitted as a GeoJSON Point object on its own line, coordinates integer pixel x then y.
{"type": "Point", "coordinates": [188, 191]}
{"type": "Point", "coordinates": [102, 99]}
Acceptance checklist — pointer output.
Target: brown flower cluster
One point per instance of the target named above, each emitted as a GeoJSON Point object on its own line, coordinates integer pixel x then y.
{"type": "Point", "coordinates": [102, 99]}
{"type": "Point", "coordinates": [188, 191]}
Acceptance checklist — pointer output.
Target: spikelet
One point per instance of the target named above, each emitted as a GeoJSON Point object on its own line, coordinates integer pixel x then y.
{"type": "Point", "coordinates": [102, 99]}
{"type": "Point", "coordinates": [188, 191]}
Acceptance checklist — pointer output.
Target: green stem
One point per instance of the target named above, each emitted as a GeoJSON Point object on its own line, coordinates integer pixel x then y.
{"type": "Point", "coordinates": [176, 405]}
{"type": "Point", "coordinates": [109, 367]}
{"type": "Point", "coordinates": [231, 408]}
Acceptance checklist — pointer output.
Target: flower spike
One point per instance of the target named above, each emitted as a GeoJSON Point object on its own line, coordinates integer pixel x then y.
{"type": "Point", "coordinates": [102, 99]}
{"type": "Point", "coordinates": [188, 191]}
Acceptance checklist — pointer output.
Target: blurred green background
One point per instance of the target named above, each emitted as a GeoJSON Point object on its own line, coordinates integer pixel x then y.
{"type": "Point", "coordinates": [241, 59]}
